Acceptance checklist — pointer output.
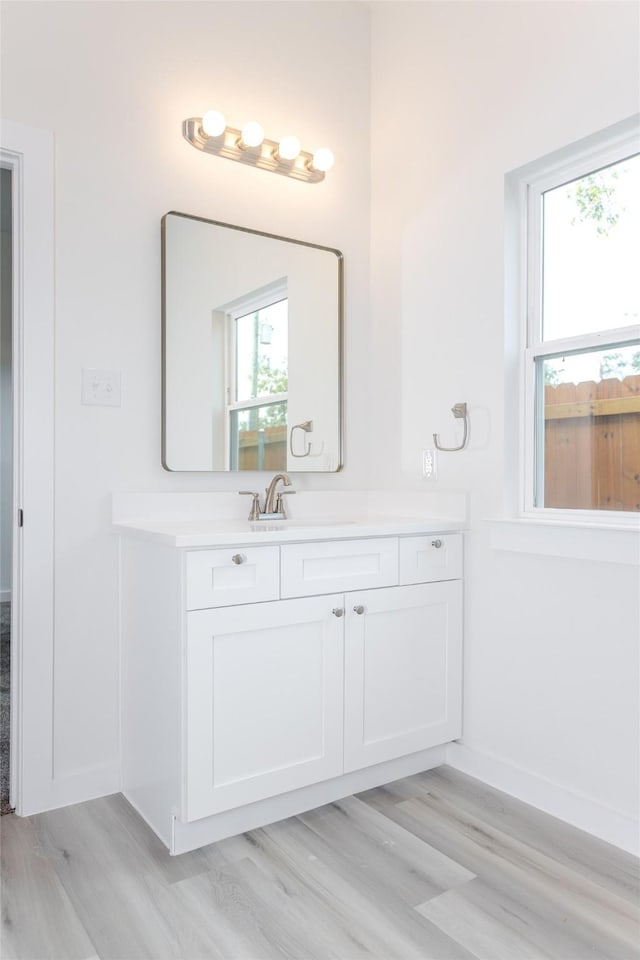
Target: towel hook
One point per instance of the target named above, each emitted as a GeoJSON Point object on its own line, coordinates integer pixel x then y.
{"type": "Point", "coordinates": [307, 427]}
{"type": "Point", "coordinates": [459, 410]}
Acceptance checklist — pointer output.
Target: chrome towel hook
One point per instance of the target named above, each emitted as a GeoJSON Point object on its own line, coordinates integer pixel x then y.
{"type": "Point", "coordinates": [459, 410]}
{"type": "Point", "coordinates": [307, 427]}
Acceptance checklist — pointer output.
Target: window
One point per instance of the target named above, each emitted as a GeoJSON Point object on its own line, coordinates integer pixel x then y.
{"type": "Point", "coordinates": [258, 380]}
{"type": "Point", "coordinates": [580, 300]}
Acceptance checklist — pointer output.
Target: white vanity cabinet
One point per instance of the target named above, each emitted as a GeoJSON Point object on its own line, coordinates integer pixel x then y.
{"type": "Point", "coordinates": [259, 681]}
{"type": "Point", "coordinates": [264, 701]}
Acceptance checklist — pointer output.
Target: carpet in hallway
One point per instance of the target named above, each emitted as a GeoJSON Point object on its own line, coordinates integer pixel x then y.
{"type": "Point", "coordinates": [5, 704]}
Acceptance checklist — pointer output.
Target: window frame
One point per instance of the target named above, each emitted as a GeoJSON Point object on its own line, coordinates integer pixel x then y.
{"type": "Point", "coordinates": [250, 303]}
{"type": "Point", "coordinates": [525, 188]}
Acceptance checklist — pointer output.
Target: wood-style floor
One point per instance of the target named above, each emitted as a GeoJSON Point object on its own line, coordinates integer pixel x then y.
{"type": "Point", "coordinates": [434, 867]}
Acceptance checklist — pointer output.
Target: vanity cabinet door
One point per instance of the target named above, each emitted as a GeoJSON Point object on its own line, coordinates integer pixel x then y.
{"type": "Point", "coordinates": [403, 671]}
{"type": "Point", "coordinates": [264, 704]}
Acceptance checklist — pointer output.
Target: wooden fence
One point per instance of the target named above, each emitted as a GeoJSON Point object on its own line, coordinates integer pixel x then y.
{"type": "Point", "coordinates": [263, 449]}
{"type": "Point", "coordinates": [592, 445]}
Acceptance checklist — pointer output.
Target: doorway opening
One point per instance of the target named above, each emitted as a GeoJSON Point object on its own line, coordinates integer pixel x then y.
{"type": "Point", "coordinates": [26, 157]}
{"type": "Point", "coordinates": [6, 478]}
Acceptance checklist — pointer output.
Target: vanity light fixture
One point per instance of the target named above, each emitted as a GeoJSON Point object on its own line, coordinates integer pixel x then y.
{"type": "Point", "coordinates": [211, 134]}
{"type": "Point", "coordinates": [214, 123]}
{"type": "Point", "coordinates": [252, 135]}
{"type": "Point", "coordinates": [288, 149]}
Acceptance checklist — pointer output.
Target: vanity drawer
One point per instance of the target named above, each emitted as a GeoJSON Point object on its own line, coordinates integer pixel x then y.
{"type": "Point", "coordinates": [427, 559]}
{"type": "Point", "coordinates": [338, 566]}
{"type": "Point", "coordinates": [221, 578]}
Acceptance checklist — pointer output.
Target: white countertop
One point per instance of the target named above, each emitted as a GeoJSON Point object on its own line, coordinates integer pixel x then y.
{"type": "Point", "coordinates": [219, 533]}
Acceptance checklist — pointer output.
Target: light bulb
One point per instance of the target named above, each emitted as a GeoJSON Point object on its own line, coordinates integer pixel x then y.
{"type": "Point", "coordinates": [252, 135]}
{"type": "Point", "coordinates": [323, 159]}
{"type": "Point", "coordinates": [289, 148]}
{"type": "Point", "coordinates": [214, 123]}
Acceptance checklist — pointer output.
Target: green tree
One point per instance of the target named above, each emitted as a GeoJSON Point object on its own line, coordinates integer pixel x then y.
{"type": "Point", "coordinates": [551, 375]}
{"type": "Point", "coordinates": [594, 197]}
{"type": "Point", "coordinates": [616, 364]}
{"type": "Point", "coordinates": [272, 380]}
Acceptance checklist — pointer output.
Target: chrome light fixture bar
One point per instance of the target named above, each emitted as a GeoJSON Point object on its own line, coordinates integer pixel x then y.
{"type": "Point", "coordinates": [250, 146]}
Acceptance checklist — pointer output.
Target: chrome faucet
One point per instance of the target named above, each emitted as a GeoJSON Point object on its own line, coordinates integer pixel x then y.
{"type": "Point", "coordinates": [273, 501]}
{"type": "Point", "coordinates": [274, 508]}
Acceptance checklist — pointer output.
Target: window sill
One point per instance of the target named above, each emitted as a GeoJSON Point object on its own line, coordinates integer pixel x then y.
{"type": "Point", "coordinates": [603, 543]}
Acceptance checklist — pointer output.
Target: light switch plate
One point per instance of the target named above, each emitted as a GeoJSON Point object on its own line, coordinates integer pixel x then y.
{"type": "Point", "coordinates": [101, 387]}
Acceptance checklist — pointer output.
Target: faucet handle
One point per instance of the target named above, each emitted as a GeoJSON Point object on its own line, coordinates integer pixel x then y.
{"type": "Point", "coordinates": [254, 513]}
{"type": "Point", "coordinates": [280, 507]}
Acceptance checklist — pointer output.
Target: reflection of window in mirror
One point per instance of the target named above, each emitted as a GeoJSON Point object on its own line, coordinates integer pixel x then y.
{"type": "Point", "coordinates": [257, 361]}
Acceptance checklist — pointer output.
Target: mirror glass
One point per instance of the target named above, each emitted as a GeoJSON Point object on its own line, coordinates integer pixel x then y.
{"type": "Point", "coordinates": [252, 350]}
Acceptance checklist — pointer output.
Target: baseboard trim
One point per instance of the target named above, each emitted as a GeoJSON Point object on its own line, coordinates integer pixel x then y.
{"type": "Point", "coordinates": [77, 787]}
{"type": "Point", "coordinates": [5, 596]}
{"type": "Point", "coordinates": [597, 819]}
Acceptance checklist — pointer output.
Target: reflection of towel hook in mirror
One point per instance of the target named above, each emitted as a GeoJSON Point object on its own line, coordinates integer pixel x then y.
{"type": "Point", "coordinates": [307, 427]}
{"type": "Point", "coordinates": [459, 410]}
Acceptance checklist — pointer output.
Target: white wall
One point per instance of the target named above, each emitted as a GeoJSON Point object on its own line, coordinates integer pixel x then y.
{"type": "Point", "coordinates": [114, 81]}
{"type": "Point", "coordinates": [461, 94]}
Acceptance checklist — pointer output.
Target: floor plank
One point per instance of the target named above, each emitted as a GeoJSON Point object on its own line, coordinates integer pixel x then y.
{"type": "Point", "coordinates": [38, 919]}
{"type": "Point", "coordinates": [596, 906]}
{"type": "Point", "coordinates": [370, 841]}
{"type": "Point", "coordinates": [548, 932]}
{"type": "Point", "coordinates": [115, 890]}
{"type": "Point", "coordinates": [576, 849]}
{"type": "Point", "coordinates": [477, 930]}
{"type": "Point", "coordinates": [270, 919]}
{"type": "Point", "coordinates": [433, 867]}
{"type": "Point", "coordinates": [361, 900]}
{"type": "Point", "coordinates": [596, 915]}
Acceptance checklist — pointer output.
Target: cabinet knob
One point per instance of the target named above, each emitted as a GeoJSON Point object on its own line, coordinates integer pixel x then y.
{"type": "Point", "coordinates": [238, 558]}
{"type": "Point", "coordinates": [359, 609]}
{"type": "Point", "coordinates": [436, 543]}
{"type": "Point", "coordinates": [337, 612]}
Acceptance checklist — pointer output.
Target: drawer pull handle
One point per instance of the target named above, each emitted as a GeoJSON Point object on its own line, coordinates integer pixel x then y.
{"type": "Point", "coordinates": [337, 612]}
{"type": "Point", "coordinates": [359, 609]}
{"type": "Point", "coordinates": [436, 543]}
{"type": "Point", "coordinates": [238, 558]}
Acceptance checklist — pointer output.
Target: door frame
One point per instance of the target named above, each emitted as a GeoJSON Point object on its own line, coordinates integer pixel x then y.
{"type": "Point", "coordinates": [29, 154]}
